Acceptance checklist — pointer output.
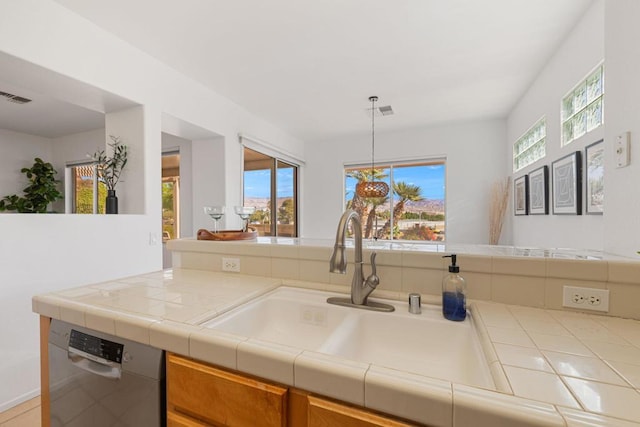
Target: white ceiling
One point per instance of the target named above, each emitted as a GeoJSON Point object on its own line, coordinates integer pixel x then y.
{"type": "Point", "coordinates": [310, 66]}
{"type": "Point", "coordinates": [60, 105]}
{"type": "Point", "coordinates": [45, 116]}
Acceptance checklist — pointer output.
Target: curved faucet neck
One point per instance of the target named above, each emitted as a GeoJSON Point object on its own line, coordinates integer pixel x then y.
{"type": "Point", "coordinates": [359, 290]}
{"type": "Point", "coordinates": [347, 216]}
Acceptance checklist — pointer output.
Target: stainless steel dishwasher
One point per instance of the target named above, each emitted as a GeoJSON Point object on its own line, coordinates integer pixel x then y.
{"type": "Point", "coordinates": [97, 380]}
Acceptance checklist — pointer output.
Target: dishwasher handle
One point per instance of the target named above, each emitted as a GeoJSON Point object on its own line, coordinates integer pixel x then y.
{"type": "Point", "coordinates": [101, 367]}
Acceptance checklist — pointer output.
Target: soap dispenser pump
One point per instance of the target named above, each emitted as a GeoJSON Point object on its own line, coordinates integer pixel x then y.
{"type": "Point", "coordinates": [454, 293]}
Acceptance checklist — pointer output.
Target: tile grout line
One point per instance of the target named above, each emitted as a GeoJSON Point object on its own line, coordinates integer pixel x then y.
{"type": "Point", "coordinates": [549, 362]}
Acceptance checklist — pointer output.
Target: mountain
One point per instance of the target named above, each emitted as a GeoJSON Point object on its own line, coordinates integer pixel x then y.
{"type": "Point", "coordinates": [432, 206]}
{"type": "Point", "coordinates": [262, 202]}
{"type": "Point", "coordinates": [425, 205]}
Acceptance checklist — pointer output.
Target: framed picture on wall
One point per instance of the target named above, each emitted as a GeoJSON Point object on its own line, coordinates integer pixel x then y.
{"type": "Point", "coordinates": [594, 164]}
{"type": "Point", "coordinates": [566, 178]}
{"type": "Point", "coordinates": [520, 194]}
{"type": "Point", "coordinates": [539, 191]}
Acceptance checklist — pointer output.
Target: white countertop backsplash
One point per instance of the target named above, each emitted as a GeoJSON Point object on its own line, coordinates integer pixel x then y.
{"type": "Point", "coordinates": [553, 368]}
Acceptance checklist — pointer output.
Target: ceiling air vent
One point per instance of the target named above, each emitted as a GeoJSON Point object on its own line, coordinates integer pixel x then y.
{"type": "Point", "coordinates": [14, 98]}
{"type": "Point", "coordinates": [386, 110]}
{"type": "Point", "coordinates": [380, 111]}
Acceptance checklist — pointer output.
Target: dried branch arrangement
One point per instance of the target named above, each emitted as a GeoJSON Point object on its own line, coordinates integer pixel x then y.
{"type": "Point", "coordinates": [498, 208]}
{"type": "Point", "coordinates": [110, 168]}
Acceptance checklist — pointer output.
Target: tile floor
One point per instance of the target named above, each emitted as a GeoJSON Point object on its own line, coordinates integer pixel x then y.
{"type": "Point", "coordinates": [26, 414]}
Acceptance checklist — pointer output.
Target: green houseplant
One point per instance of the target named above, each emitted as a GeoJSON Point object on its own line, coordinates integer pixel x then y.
{"type": "Point", "coordinates": [110, 170]}
{"type": "Point", "coordinates": [41, 191]}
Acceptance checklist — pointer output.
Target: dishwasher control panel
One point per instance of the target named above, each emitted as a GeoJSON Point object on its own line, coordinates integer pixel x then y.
{"type": "Point", "coordinates": [95, 346]}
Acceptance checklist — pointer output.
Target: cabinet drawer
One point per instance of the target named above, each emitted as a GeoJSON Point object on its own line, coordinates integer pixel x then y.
{"type": "Point", "coordinates": [222, 398]}
{"type": "Point", "coordinates": [176, 420]}
{"type": "Point", "coordinates": [324, 413]}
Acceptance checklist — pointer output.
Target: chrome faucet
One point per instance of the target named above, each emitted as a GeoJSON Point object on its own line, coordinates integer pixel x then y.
{"type": "Point", "coordinates": [361, 288]}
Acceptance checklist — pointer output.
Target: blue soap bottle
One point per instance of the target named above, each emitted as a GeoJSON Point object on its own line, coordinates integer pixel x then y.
{"type": "Point", "coordinates": [454, 293]}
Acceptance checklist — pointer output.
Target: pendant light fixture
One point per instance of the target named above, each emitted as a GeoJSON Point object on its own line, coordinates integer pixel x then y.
{"type": "Point", "coordinates": [369, 188]}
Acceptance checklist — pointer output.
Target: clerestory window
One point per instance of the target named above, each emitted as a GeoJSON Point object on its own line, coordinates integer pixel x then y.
{"type": "Point", "coordinates": [583, 107]}
{"type": "Point", "coordinates": [530, 147]}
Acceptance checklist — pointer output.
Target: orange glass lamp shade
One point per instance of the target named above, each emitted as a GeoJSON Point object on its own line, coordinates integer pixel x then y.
{"type": "Point", "coordinates": [369, 189]}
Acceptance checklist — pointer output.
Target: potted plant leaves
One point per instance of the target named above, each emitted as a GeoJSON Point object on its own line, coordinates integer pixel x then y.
{"type": "Point", "coordinates": [41, 191]}
{"type": "Point", "coordinates": [109, 170]}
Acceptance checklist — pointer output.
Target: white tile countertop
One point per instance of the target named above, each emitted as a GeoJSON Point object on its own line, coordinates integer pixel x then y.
{"type": "Point", "coordinates": [553, 368]}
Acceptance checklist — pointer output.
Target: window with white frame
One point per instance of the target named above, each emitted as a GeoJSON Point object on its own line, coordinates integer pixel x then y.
{"type": "Point", "coordinates": [414, 209]}
{"type": "Point", "coordinates": [582, 108]}
{"type": "Point", "coordinates": [87, 190]}
{"type": "Point", "coordinates": [531, 146]}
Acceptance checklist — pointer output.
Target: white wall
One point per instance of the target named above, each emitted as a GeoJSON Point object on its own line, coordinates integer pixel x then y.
{"type": "Point", "coordinates": [76, 147]}
{"type": "Point", "coordinates": [129, 126]}
{"type": "Point", "coordinates": [19, 151]}
{"type": "Point", "coordinates": [171, 142]}
{"type": "Point", "coordinates": [475, 158]}
{"type": "Point", "coordinates": [40, 253]}
{"type": "Point", "coordinates": [211, 175]}
{"type": "Point", "coordinates": [622, 109]}
{"type": "Point", "coordinates": [578, 55]}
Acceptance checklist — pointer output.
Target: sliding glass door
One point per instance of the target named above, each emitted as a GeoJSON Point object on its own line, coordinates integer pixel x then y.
{"type": "Point", "coordinates": [270, 185]}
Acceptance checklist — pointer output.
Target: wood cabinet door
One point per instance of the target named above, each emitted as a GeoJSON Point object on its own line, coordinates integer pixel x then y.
{"type": "Point", "coordinates": [324, 413]}
{"type": "Point", "coordinates": [223, 398]}
{"type": "Point", "coordinates": [177, 420]}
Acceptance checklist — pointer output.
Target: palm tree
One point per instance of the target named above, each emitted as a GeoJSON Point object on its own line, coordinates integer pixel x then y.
{"type": "Point", "coordinates": [406, 192]}
{"type": "Point", "coordinates": [375, 202]}
{"type": "Point", "coordinates": [358, 203]}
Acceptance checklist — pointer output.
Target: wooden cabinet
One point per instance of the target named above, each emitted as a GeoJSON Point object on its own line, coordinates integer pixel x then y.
{"type": "Point", "coordinates": [176, 420]}
{"type": "Point", "coordinates": [326, 413]}
{"type": "Point", "coordinates": [199, 394]}
{"type": "Point", "coordinates": [216, 397]}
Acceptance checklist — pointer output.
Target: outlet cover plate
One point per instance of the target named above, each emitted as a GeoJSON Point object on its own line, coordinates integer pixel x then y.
{"type": "Point", "coordinates": [585, 298]}
{"type": "Point", "coordinates": [231, 264]}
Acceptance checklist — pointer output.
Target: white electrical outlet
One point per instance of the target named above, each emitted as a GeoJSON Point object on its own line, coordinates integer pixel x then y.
{"type": "Point", "coordinates": [231, 264]}
{"type": "Point", "coordinates": [585, 298]}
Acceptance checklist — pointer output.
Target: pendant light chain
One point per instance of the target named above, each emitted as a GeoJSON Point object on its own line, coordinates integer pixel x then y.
{"type": "Point", "coordinates": [373, 149]}
{"type": "Point", "coordinates": [373, 100]}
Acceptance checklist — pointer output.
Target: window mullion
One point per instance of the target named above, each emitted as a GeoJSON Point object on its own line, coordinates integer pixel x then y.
{"type": "Point", "coordinates": [95, 190]}
{"type": "Point", "coordinates": [391, 200]}
{"type": "Point", "coordinates": [274, 197]}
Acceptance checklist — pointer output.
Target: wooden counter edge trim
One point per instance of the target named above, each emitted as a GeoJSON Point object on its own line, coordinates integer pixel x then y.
{"type": "Point", "coordinates": [45, 398]}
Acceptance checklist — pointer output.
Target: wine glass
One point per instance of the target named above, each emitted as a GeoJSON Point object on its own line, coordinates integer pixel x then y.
{"type": "Point", "coordinates": [215, 212]}
{"type": "Point", "coordinates": [245, 213]}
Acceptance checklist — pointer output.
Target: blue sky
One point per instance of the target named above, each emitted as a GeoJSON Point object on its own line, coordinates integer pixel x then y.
{"type": "Point", "coordinates": [430, 179]}
{"type": "Point", "coordinates": [257, 184]}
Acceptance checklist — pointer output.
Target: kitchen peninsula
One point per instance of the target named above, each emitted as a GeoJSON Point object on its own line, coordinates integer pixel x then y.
{"type": "Point", "coordinates": [550, 367]}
